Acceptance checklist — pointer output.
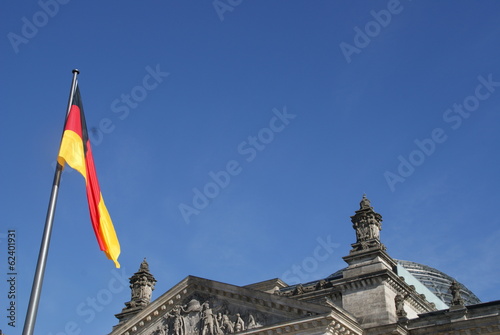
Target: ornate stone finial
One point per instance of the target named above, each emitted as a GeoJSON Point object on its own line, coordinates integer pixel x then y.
{"type": "Point", "coordinates": [142, 284]}
{"type": "Point", "coordinates": [365, 202]}
{"type": "Point", "coordinates": [456, 298]}
{"type": "Point", "coordinates": [144, 266]}
{"type": "Point", "coordinates": [368, 225]}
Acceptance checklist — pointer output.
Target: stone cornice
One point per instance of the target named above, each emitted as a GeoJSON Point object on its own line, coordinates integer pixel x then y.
{"type": "Point", "coordinates": [343, 322]}
{"type": "Point", "coordinates": [370, 254]}
{"type": "Point", "coordinates": [334, 323]}
{"type": "Point", "coordinates": [416, 300]}
{"type": "Point", "coordinates": [397, 284]}
{"type": "Point", "coordinates": [308, 324]}
{"type": "Point", "coordinates": [271, 303]}
{"type": "Point", "coordinates": [317, 293]}
{"type": "Point", "coordinates": [393, 329]}
{"type": "Point", "coordinates": [476, 319]}
{"type": "Point", "coordinates": [368, 280]}
{"type": "Point", "coordinates": [267, 285]}
{"type": "Point", "coordinates": [485, 325]}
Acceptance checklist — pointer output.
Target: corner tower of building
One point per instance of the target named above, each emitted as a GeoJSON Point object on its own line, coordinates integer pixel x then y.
{"type": "Point", "coordinates": [371, 288]}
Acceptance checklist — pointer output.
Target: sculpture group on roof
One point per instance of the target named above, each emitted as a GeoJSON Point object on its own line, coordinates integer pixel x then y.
{"type": "Point", "coordinates": [201, 319]}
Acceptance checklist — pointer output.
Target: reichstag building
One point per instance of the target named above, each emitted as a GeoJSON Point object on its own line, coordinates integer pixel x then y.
{"type": "Point", "coordinates": [375, 294]}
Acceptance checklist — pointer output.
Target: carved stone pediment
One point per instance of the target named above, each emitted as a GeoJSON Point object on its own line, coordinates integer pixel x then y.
{"type": "Point", "coordinates": [199, 306]}
{"type": "Point", "coordinates": [209, 315]}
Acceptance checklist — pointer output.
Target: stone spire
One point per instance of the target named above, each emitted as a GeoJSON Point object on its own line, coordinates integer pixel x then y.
{"type": "Point", "coordinates": [368, 225]}
{"type": "Point", "coordinates": [142, 284]}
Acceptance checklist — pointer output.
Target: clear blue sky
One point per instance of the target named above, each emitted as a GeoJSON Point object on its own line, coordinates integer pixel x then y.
{"type": "Point", "coordinates": [303, 106]}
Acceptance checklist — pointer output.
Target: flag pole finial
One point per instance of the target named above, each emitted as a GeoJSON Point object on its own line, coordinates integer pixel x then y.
{"type": "Point", "coordinates": [76, 71]}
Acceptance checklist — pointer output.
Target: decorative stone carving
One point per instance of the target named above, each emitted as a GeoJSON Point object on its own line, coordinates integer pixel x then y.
{"type": "Point", "coordinates": [299, 289]}
{"type": "Point", "coordinates": [210, 326]}
{"type": "Point", "coordinates": [399, 300]}
{"type": "Point", "coordinates": [226, 325]}
{"type": "Point", "coordinates": [142, 284]}
{"type": "Point", "coordinates": [456, 299]}
{"type": "Point", "coordinates": [367, 223]}
{"type": "Point", "coordinates": [252, 323]}
{"type": "Point", "coordinates": [321, 284]}
{"type": "Point", "coordinates": [178, 327]}
{"type": "Point", "coordinates": [239, 324]}
{"type": "Point", "coordinates": [203, 319]}
{"type": "Point", "coordinates": [160, 331]}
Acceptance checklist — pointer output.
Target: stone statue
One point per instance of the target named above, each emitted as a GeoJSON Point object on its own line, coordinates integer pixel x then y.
{"type": "Point", "coordinates": [136, 290]}
{"type": "Point", "coordinates": [321, 284]}
{"type": "Point", "coordinates": [178, 324]}
{"type": "Point", "coordinates": [456, 299]}
{"type": "Point", "coordinates": [374, 231]}
{"type": "Point", "coordinates": [210, 325]}
{"type": "Point", "coordinates": [251, 322]}
{"type": "Point", "coordinates": [239, 324]}
{"type": "Point", "coordinates": [144, 288]}
{"type": "Point", "coordinates": [299, 289]}
{"type": "Point", "coordinates": [359, 232]}
{"type": "Point", "coordinates": [219, 320]}
{"type": "Point", "coordinates": [400, 303]}
{"type": "Point", "coordinates": [227, 325]}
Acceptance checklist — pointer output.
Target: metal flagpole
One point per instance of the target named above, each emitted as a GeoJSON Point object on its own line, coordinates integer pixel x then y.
{"type": "Point", "coordinates": [36, 289]}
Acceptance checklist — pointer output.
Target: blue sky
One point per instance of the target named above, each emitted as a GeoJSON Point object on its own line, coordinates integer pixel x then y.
{"type": "Point", "coordinates": [297, 108]}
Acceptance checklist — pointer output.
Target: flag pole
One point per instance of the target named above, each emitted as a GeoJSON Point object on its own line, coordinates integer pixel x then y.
{"type": "Point", "coordinates": [36, 289]}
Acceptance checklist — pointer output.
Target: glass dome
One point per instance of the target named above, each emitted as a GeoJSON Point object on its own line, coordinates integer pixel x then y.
{"type": "Point", "coordinates": [436, 281]}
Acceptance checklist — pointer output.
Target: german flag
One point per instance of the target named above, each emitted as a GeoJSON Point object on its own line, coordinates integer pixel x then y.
{"type": "Point", "coordinates": [76, 151]}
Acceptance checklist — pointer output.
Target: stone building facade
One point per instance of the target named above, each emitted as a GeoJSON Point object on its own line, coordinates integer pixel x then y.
{"type": "Point", "coordinates": [375, 294]}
